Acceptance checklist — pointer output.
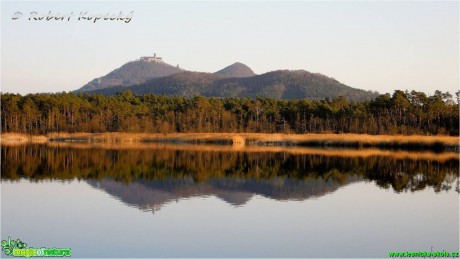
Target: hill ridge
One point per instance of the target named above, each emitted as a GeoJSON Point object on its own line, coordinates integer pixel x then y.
{"type": "Point", "coordinates": [236, 69]}
{"type": "Point", "coordinates": [278, 84]}
{"type": "Point", "coordinates": [153, 75]}
{"type": "Point", "coordinates": [131, 73]}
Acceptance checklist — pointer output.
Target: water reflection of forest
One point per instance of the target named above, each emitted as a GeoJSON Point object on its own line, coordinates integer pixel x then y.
{"type": "Point", "coordinates": [38, 161]}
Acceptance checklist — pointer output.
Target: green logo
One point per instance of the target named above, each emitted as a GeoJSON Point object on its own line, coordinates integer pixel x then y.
{"type": "Point", "coordinates": [18, 248]}
{"type": "Point", "coordinates": [10, 245]}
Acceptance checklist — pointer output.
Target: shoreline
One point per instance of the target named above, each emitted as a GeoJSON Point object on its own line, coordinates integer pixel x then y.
{"type": "Point", "coordinates": [409, 142]}
{"type": "Point", "coordinates": [292, 150]}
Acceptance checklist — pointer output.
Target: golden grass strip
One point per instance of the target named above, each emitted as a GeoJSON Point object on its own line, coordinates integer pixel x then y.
{"type": "Point", "coordinates": [237, 137]}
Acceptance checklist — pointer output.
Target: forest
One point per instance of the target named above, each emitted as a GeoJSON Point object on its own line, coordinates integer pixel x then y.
{"type": "Point", "coordinates": [402, 112]}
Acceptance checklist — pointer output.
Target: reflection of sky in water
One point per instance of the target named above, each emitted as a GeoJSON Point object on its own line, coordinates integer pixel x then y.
{"type": "Point", "coordinates": [356, 220]}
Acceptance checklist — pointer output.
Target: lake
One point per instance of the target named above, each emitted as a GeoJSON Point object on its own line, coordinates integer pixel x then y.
{"type": "Point", "coordinates": [165, 200]}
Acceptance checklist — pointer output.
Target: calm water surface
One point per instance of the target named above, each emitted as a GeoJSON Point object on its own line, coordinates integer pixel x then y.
{"type": "Point", "coordinates": [189, 201]}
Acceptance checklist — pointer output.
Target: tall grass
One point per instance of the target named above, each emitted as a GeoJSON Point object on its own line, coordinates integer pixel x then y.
{"type": "Point", "coordinates": [362, 140]}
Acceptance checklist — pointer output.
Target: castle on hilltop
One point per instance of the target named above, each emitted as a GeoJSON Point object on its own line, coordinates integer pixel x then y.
{"type": "Point", "coordinates": [152, 59]}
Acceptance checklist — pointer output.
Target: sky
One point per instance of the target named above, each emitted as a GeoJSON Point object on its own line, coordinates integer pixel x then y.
{"type": "Point", "coordinates": [373, 45]}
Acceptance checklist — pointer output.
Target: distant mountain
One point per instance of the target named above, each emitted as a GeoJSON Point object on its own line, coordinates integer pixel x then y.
{"type": "Point", "coordinates": [132, 73]}
{"type": "Point", "coordinates": [236, 70]}
{"type": "Point", "coordinates": [281, 84]}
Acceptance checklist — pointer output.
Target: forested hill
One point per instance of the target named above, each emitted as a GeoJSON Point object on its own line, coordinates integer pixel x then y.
{"type": "Point", "coordinates": [281, 84]}
{"type": "Point", "coordinates": [131, 73]}
{"type": "Point", "coordinates": [236, 70]}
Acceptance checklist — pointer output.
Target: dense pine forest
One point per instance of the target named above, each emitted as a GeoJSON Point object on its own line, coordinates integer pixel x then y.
{"type": "Point", "coordinates": [400, 113]}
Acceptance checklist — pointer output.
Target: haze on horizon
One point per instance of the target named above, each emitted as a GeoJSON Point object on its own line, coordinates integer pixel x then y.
{"type": "Point", "coordinates": [378, 46]}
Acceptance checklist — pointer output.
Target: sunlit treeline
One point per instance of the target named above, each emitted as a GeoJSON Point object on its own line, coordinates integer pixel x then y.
{"type": "Point", "coordinates": [126, 165]}
{"type": "Point", "coordinates": [400, 113]}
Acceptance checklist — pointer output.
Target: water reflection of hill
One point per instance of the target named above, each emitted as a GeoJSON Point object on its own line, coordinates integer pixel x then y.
{"type": "Point", "coordinates": [221, 169]}
{"type": "Point", "coordinates": [152, 195]}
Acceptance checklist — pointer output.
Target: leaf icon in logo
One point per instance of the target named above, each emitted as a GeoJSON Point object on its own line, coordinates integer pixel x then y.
{"type": "Point", "coordinates": [10, 245]}
{"type": "Point", "coordinates": [8, 251]}
{"type": "Point", "coordinates": [6, 246]}
{"type": "Point", "coordinates": [20, 244]}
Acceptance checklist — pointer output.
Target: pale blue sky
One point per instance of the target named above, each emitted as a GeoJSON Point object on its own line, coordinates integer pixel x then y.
{"type": "Point", "coordinates": [380, 46]}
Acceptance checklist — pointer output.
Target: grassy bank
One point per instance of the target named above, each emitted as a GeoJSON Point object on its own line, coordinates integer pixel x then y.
{"type": "Point", "coordinates": [248, 139]}
{"type": "Point", "coordinates": [292, 150]}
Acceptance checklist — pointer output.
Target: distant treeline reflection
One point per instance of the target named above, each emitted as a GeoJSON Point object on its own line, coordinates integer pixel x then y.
{"type": "Point", "coordinates": [37, 162]}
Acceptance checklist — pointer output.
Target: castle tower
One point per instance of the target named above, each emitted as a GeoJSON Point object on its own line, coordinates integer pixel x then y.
{"type": "Point", "coordinates": [152, 59]}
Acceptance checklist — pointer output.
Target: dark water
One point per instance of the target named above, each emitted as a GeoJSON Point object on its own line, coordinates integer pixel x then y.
{"type": "Point", "coordinates": [189, 201]}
